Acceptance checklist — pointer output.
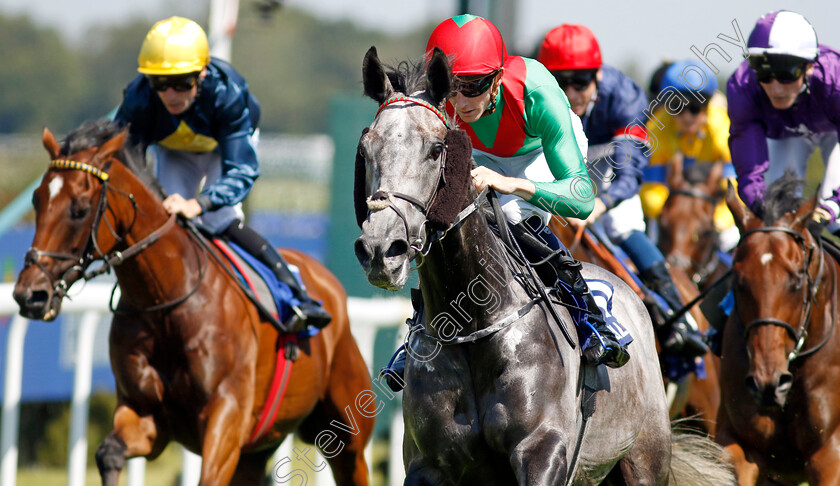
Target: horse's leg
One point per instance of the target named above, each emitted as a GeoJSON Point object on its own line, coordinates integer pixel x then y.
{"type": "Point", "coordinates": [745, 470]}
{"type": "Point", "coordinates": [348, 392]}
{"type": "Point", "coordinates": [540, 458]}
{"type": "Point", "coordinates": [136, 433]}
{"type": "Point", "coordinates": [133, 436]}
{"type": "Point", "coordinates": [824, 466]}
{"type": "Point", "coordinates": [250, 471]}
{"type": "Point", "coordinates": [226, 413]}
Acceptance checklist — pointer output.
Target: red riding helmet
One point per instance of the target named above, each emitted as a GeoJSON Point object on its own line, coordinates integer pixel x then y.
{"type": "Point", "coordinates": [570, 46]}
{"type": "Point", "coordinates": [474, 42]}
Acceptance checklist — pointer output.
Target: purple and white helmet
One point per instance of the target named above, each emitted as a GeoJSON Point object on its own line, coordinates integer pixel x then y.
{"type": "Point", "coordinates": [786, 33]}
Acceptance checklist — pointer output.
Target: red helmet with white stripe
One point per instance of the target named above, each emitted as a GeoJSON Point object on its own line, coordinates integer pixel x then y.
{"type": "Point", "coordinates": [474, 43]}
{"type": "Point", "coordinates": [570, 46]}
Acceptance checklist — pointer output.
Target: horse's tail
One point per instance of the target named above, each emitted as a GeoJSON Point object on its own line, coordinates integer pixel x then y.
{"type": "Point", "coordinates": [697, 460]}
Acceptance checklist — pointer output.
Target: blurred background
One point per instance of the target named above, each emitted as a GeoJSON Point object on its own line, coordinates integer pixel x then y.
{"type": "Point", "coordinates": [67, 62]}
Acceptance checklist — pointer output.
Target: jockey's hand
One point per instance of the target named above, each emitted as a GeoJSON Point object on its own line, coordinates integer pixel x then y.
{"type": "Point", "coordinates": [599, 209]}
{"type": "Point", "coordinates": [188, 208]}
{"type": "Point", "coordinates": [821, 215]}
{"type": "Point", "coordinates": [483, 177]}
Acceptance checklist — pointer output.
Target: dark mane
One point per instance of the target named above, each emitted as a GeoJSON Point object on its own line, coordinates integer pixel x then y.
{"type": "Point", "coordinates": [697, 173]}
{"type": "Point", "coordinates": [783, 196]}
{"type": "Point", "coordinates": [407, 77]}
{"type": "Point", "coordinates": [95, 133]}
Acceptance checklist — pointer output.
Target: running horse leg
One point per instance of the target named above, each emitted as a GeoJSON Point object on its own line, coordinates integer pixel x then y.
{"type": "Point", "coordinates": [137, 432]}
{"type": "Point", "coordinates": [824, 466]}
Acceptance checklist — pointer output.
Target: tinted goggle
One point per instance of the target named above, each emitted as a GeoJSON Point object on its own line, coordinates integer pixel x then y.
{"type": "Point", "coordinates": [694, 107]}
{"type": "Point", "coordinates": [180, 83]}
{"type": "Point", "coordinates": [578, 80]}
{"type": "Point", "coordinates": [785, 69]}
{"type": "Point", "coordinates": [475, 87]}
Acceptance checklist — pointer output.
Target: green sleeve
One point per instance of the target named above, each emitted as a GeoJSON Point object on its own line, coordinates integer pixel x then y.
{"type": "Point", "coordinates": [547, 115]}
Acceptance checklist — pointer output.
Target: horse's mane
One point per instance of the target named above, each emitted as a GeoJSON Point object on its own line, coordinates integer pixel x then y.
{"type": "Point", "coordinates": [92, 134]}
{"type": "Point", "coordinates": [782, 196]}
{"type": "Point", "coordinates": [407, 77]}
{"type": "Point", "coordinates": [697, 173]}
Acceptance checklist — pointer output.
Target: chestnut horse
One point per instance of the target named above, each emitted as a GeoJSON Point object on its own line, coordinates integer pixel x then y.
{"type": "Point", "coordinates": [779, 418]}
{"type": "Point", "coordinates": [687, 234]}
{"type": "Point", "coordinates": [192, 357]}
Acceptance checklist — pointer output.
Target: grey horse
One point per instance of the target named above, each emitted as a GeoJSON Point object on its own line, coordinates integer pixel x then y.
{"type": "Point", "coordinates": [496, 391]}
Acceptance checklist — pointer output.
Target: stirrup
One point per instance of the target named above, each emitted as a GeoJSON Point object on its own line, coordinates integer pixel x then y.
{"type": "Point", "coordinates": [308, 313]}
{"type": "Point", "coordinates": [605, 348]}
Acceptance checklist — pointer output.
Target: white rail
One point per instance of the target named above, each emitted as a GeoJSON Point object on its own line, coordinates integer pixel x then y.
{"type": "Point", "coordinates": [367, 316]}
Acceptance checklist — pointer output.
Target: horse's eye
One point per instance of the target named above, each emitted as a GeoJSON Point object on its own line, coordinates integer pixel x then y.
{"type": "Point", "coordinates": [35, 201]}
{"type": "Point", "coordinates": [435, 152]}
{"type": "Point", "coordinates": [79, 211]}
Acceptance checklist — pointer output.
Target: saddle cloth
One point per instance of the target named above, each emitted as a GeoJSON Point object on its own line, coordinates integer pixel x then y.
{"type": "Point", "coordinates": [274, 296]}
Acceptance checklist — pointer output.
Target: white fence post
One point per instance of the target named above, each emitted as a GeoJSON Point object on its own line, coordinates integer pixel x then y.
{"type": "Point", "coordinates": [11, 399]}
{"type": "Point", "coordinates": [80, 405]}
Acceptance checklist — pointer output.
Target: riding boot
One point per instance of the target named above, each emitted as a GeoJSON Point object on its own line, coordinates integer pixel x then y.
{"type": "Point", "coordinates": [394, 372]}
{"type": "Point", "coordinates": [604, 347]}
{"type": "Point", "coordinates": [309, 312]}
{"type": "Point", "coordinates": [681, 338]}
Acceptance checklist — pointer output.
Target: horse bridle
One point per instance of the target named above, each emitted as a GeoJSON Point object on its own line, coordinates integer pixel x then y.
{"type": "Point", "coordinates": [382, 198]}
{"type": "Point", "coordinates": [88, 254]}
{"type": "Point", "coordinates": [685, 262]}
{"type": "Point", "coordinates": [808, 299]}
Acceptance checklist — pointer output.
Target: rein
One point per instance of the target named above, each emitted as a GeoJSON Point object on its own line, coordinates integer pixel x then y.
{"type": "Point", "coordinates": [808, 298]}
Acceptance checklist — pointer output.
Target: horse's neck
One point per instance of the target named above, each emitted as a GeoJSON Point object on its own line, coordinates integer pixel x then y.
{"type": "Point", "coordinates": [465, 276]}
{"type": "Point", "coordinates": [162, 271]}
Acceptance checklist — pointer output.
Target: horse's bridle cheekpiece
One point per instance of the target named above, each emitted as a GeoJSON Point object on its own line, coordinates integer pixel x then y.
{"type": "Point", "coordinates": [808, 299]}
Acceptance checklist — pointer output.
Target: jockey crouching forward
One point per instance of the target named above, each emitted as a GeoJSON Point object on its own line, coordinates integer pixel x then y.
{"type": "Point", "coordinates": [610, 106]}
{"type": "Point", "coordinates": [201, 120]}
{"type": "Point", "coordinates": [528, 146]}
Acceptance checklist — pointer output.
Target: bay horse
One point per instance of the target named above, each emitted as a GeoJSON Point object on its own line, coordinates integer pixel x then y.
{"type": "Point", "coordinates": [779, 419]}
{"type": "Point", "coordinates": [687, 234]}
{"type": "Point", "coordinates": [496, 392]}
{"type": "Point", "coordinates": [192, 358]}
{"type": "Point", "coordinates": [693, 397]}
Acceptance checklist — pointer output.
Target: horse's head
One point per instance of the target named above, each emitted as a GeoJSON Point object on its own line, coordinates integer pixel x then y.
{"type": "Point", "coordinates": [777, 267]}
{"type": "Point", "coordinates": [412, 171]}
{"type": "Point", "coordinates": [69, 205]}
{"type": "Point", "coordinates": [687, 235]}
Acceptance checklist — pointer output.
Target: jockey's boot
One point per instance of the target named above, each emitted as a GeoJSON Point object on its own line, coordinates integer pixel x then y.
{"type": "Point", "coordinates": [682, 338]}
{"type": "Point", "coordinates": [309, 312]}
{"type": "Point", "coordinates": [604, 347]}
{"type": "Point", "coordinates": [394, 372]}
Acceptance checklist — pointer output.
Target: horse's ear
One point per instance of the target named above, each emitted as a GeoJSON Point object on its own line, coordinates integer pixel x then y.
{"type": "Point", "coordinates": [360, 189]}
{"type": "Point", "coordinates": [803, 215]}
{"type": "Point", "coordinates": [110, 147]}
{"type": "Point", "coordinates": [713, 181]}
{"type": "Point", "coordinates": [742, 215]}
{"type": "Point", "coordinates": [438, 77]}
{"type": "Point", "coordinates": [377, 85]}
{"type": "Point", "coordinates": [50, 144]}
{"type": "Point", "coordinates": [675, 171]}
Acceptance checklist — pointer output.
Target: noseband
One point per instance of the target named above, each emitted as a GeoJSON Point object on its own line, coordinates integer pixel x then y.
{"type": "Point", "coordinates": [808, 297]}
{"type": "Point", "coordinates": [88, 254]}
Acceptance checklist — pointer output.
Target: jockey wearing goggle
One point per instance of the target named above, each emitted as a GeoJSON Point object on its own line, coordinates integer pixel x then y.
{"type": "Point", "coordinates": [201, 120]}
{"type": "Point", "coordinates": [784, 103]}
{"type": "Point", "coordinates": [528, 145]}
{"type": "Point", "coordinates": [697, 132]}
{"type": "Point", "coordinates": [611, 107]}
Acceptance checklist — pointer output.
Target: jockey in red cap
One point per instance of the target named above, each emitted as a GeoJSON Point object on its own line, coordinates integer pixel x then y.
{"type": "Point", "coordinates": [529, 147]}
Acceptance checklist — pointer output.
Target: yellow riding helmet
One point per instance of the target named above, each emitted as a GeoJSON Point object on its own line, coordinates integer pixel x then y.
{"type": "Point", "coordinates": [174, 46]}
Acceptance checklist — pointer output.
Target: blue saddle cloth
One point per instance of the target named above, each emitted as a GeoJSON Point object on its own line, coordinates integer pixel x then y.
{"type": "Point", "coordinates": [280, 294]}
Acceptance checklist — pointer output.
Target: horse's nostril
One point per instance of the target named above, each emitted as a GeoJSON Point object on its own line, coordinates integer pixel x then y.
{"type": "Point", "coordinates": [397, 248]}
{"type": "Point", "coordinates": [785, 382]}
{"type": "Point", "coordinates": [363, 253]}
